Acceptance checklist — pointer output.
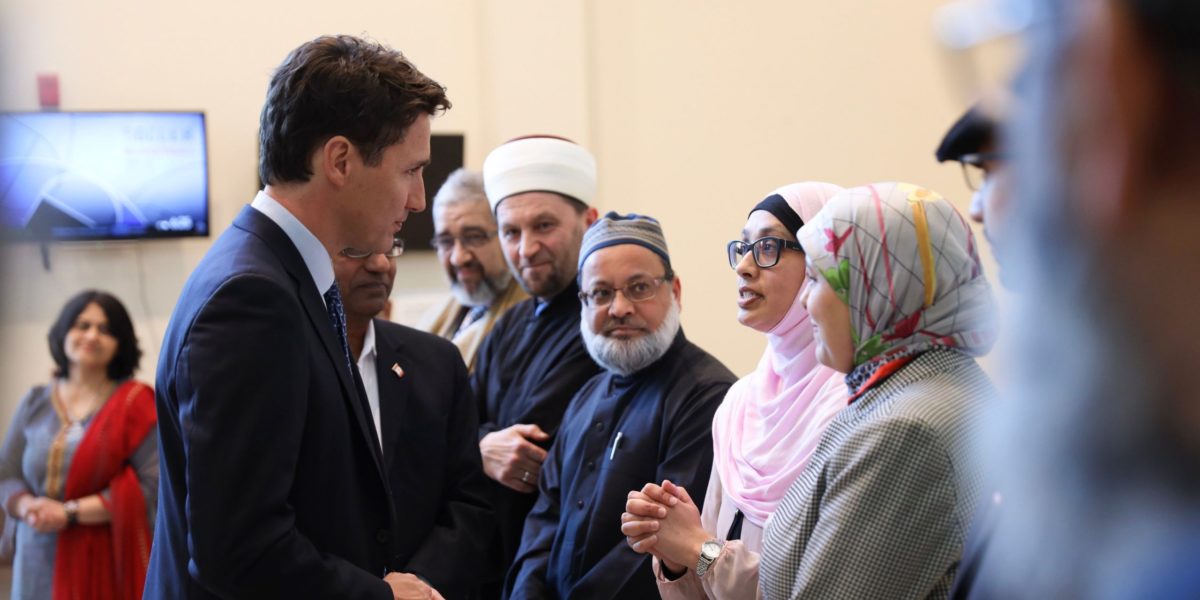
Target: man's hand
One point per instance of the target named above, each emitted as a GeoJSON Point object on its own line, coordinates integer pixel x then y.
{"type": "Point", "coordinates": [511, 457]}
{"type": "Point", "coordinates": [406, 586]}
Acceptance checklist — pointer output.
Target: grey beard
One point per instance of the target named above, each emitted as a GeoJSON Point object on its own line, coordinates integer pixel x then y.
{"type": "Point", "coordinates": [626, 357]}
{"type": "Point", "coordinates": [488, 290]}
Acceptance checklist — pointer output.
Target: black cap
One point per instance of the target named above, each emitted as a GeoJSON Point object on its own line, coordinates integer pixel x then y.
{"type": "Point", "coordinates": [969, 134]}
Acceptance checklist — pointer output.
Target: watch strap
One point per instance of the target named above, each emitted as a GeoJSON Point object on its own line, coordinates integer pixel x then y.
{"type": "Point", "coordinates": [71, 507]}
{"type": "Point", "coordinates": [706, 561]}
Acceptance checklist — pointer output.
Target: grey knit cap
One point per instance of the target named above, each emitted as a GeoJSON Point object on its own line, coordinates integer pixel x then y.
{"type": "Point", "coordinates": [613, 229]}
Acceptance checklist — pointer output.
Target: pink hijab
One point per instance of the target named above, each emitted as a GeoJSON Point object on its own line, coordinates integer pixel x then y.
{"type": "Point", "coordinates": [771, 420]}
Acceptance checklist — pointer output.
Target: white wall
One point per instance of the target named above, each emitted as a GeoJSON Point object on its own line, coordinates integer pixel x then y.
{"type": "Point", "coordinates": [695, 111]}
{"type": "Point", "coordinates": [700, 113]}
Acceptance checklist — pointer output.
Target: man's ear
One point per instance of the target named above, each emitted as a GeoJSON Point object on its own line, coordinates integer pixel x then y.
{"type": "Point", "coordinates": [589, 216]}
{"type": "Point", "coordinates": [333, 160]}
{"type": "Point", "coordinates": [677, 290]}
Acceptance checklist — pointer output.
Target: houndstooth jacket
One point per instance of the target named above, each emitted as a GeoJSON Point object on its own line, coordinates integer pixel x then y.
{"type": "Point", "coordinates": [883, 507]}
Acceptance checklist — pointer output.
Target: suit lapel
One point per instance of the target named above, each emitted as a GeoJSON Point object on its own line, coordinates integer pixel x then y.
{"type": "Point", "coordinates": [395, 385]}
{"type": "Point", "coordinates": [314, 305]}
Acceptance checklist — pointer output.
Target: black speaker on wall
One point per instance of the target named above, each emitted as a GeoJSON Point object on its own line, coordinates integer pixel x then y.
{"type": "Point", "coordinates": [446, 151]}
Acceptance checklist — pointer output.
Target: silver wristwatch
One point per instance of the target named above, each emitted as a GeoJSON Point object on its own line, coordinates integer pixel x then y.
{"type": "Point", "coordinates": [708, 553]}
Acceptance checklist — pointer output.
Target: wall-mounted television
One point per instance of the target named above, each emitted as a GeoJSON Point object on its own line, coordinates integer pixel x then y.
{"type": "Point", "coordinates": [103, 175]}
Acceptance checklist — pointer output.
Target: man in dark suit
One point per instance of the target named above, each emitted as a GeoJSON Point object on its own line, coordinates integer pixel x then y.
{"type": "Point", "coordinates": [420, 400]}
{"type": "Point", "coordinates": [272, 482]}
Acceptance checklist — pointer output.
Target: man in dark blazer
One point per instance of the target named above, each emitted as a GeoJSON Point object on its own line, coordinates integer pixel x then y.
{"type": "Point", "coordinates": [419, 396]}
{"type": "Point", "coordinates": [272, 482]}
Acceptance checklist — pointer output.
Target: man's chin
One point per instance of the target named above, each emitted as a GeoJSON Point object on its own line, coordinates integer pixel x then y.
{"type": "Point", "coordinates": [541, 288]}
{"type": "Point", "coordinates": [477, 296]}
{"type": "Point", "coordinates": [365, 310]}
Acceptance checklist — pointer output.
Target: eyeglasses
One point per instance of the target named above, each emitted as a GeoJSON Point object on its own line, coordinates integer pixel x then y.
{"type": "Point", "coordinates": [471, 239]}
{"type": "Point", "coordinates": [974, 167]}
{"type": "Point", "coordinates": [395, 251]}
{"type": "Point", "coordinates": [766, 251]}
{"type": "Point", "coordinates": [639, 290]}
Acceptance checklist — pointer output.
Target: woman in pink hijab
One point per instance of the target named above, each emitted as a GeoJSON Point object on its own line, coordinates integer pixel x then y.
{"type": "Point", "coordinates": [767, 427]}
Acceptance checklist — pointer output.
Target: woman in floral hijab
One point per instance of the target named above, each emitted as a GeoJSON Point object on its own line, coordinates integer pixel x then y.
{"type": "Point", "coordinates": [899, 303]}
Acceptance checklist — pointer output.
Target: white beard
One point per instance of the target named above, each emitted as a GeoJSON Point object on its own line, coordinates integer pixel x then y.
{"type": "Point", "coordinates": [483, 295]}
{"type": "Point", "coordinates": [626, 357]}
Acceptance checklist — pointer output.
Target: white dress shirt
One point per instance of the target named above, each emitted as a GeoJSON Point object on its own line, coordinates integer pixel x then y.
{"type": "Point", "coordinates": [316, 258]}
{"type": "Point", "coordinates": [366, 369]}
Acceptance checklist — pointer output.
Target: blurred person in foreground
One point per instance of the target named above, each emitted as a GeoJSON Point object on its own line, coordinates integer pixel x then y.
{"type": "Point", "coordinates": [468, 245]}
{"type": "Point", "coordinates": [79, 465]}
{"type": "Point", "coordinates": [1099, 441]}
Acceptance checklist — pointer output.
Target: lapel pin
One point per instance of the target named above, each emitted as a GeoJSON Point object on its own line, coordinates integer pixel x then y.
{"type": "Point", "coordinates": [397, 370]}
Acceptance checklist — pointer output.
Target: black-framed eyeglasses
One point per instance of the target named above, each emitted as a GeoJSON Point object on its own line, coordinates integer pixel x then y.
{"type": "Point", "coordinates": [395, 251]}
{"type": "Point", "coordinates": [766, 251]}
{"type": "Point", "coordinates": [974, 167]}
{"type": "Point", "coordinates": [470, 240]}
{"type": "Point", "coordinates": [639, 290]}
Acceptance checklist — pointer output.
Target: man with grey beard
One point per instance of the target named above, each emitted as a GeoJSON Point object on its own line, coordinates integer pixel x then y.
{"type": "Point", "coordinates": [647, 417]}
{"type": "Point", "coordinates": [481, 286]}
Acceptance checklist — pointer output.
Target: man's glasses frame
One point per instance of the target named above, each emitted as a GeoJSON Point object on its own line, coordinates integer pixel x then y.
{"type": "Point", "coordinates": [633, 291]}
{"type": "Point", "coordinates": [974, 168]}
{"type": "Point", "coordinates": [395, 251]}
{"type": "Point", "coordinates": [470, 240]}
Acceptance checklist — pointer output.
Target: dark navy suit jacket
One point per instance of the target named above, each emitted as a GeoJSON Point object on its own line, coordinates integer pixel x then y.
{"type": "Point", "coordinates": [272, 482]}
{"type": "Point", "coordinates": [431, 451]}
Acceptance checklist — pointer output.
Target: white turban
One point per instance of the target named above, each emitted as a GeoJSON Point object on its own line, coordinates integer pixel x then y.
{"type": "Point", "coordinates": [539, 164]}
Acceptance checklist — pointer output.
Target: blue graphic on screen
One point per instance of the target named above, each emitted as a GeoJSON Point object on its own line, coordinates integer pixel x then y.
{"type": "Point", "coordinates": [75, 176]}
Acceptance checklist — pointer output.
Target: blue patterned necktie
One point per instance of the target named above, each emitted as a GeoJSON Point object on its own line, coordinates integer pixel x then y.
{"type": "Point", "coordinates": [333, 302]}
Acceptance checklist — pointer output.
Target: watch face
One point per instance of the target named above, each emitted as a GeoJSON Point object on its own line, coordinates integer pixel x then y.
{"type": "Point", "coordinates": [710, 550]}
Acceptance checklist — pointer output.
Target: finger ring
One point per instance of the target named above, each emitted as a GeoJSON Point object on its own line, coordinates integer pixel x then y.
{"type": "Point", "coordinates": [525, 477]}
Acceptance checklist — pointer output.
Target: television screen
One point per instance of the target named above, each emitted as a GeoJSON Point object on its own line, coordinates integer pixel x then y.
{"type": "Point", "coordinates": [103, 175]}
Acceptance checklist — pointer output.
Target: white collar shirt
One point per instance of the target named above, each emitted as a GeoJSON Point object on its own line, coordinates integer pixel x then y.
{"type": "Point", "coordinates": [312, 251]}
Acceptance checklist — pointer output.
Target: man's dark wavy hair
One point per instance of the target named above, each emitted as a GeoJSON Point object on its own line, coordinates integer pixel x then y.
{"type": "Point", "coordinates": [340, 85]}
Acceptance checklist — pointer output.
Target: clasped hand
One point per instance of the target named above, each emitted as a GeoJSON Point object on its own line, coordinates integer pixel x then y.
{"type": "Point", "coordinates": [45, 515]}
{"type": "Point", "coordinates": [664, 521]}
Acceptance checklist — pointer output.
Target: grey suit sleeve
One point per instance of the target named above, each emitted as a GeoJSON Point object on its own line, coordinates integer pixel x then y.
{"type": "Point", "coordinates": [887, 525]}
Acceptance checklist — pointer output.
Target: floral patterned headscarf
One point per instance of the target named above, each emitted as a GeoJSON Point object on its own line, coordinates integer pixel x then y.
{"type": "Point", "coordinates": [905, 261]}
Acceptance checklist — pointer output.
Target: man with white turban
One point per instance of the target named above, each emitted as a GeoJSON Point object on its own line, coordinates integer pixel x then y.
{"type": "Point", "coordinates": [534, 360]}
